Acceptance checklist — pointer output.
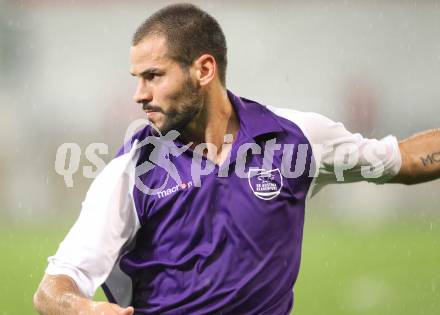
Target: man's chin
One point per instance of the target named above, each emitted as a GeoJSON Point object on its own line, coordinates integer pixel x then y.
{"type": "Point", "coordinates": [161, 129]}
{"type": "Point", "coordinates": [157, 127]}
{"type": "Point", "coordinates": [157, 124]}
{"type": "Point", "coordinates": [163, 126]}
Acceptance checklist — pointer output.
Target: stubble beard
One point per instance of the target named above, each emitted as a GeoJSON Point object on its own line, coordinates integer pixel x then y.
{"type": "Point", "coordinates": [189, 101]}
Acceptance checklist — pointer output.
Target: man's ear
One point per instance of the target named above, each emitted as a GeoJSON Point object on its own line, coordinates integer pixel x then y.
{"type": "Point", "coordinates": [206, 69]}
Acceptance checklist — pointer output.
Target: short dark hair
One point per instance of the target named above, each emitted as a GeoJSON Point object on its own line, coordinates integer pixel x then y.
{"type": "Point", "coordinates": [189, 32]}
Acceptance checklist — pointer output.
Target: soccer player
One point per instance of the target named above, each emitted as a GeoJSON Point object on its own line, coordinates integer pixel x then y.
{"type": "Point", "coordinates": [202, 211]}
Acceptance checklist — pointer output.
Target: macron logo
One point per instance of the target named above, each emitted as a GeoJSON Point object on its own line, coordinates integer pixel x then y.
{"type": "Point", "coordinates": [172, 190]}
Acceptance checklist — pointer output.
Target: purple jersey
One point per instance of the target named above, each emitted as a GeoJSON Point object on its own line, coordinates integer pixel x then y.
{"type": "Point", "coordinates": [219, 248]}
{"type": "Point", "coordinates": [228, 243]}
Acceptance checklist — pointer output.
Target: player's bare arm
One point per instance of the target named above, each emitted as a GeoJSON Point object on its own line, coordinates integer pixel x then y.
{"type": "Point", "coordinates": [420, 158]}
{"type": "Point", "coordinates": [59, 294]}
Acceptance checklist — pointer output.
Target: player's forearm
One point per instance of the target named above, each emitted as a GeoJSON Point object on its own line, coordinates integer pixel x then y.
{"type": "Point", "coordinates": [58, 295]}
{"type": "Point", "coordinates": [420, 158]}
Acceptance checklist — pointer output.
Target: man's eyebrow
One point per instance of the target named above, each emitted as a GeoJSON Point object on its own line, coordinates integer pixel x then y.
{"type": "Point", "coordinates": [148, 71]}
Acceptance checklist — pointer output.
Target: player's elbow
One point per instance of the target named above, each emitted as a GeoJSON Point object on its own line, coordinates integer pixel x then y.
{"type": "Point", "coordinates": [410, 174]}
{"type": "Point", "coordinates": [405, 177]}
{"type": "Point", "coordinates": [41, 297]}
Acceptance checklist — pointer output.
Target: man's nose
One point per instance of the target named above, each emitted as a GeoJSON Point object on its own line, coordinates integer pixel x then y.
{"type": "Point", "coordinates": [143, 93]}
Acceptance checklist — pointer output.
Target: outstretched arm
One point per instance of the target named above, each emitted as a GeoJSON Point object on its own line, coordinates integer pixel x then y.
{"type": "Point", "coordinates": [59, 295]}
{"type": "Point", "coordinates": [420, 158]}
{"type": "Point", "coordinates": [89, 252]}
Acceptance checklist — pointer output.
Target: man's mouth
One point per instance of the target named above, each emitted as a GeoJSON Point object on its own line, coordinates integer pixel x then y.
{"type": "Point", "coordinates": [151, 111]}
{"type": "Point", "coordinates": [150, 108]}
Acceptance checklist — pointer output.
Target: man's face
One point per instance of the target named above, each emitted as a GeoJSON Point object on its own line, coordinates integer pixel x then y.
{"type": "Point", "coordinates": [166, 91]}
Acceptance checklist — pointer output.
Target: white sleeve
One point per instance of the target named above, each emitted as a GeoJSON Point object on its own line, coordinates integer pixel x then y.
{"type": "Point", "coordinates": [342, 156]}
{"type": "Point", "coordinates": [107, 222]}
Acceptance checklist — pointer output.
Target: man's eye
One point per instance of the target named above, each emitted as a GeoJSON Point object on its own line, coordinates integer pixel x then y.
{"type": "Point", "coordinates": [152, 76]}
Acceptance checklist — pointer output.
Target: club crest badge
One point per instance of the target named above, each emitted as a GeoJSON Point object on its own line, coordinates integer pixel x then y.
{"type": "Point", "coordinates": [265, 184]}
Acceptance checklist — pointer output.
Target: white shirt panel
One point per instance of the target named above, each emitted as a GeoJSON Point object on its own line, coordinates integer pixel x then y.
{"type": "Point", "coordinates": [108, 221]}
{"type": "Point", "coordinates": [342, 156]}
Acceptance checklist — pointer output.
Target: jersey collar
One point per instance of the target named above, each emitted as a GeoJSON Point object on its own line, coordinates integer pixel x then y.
{"type": "Point", "coordinates": [255, 119]}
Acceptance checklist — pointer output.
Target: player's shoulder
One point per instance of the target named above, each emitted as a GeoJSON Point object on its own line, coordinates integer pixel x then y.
{"type": "Point", "coordinates": [301, 118]}
{"type": "Point", "coordinates": [315, 126]}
